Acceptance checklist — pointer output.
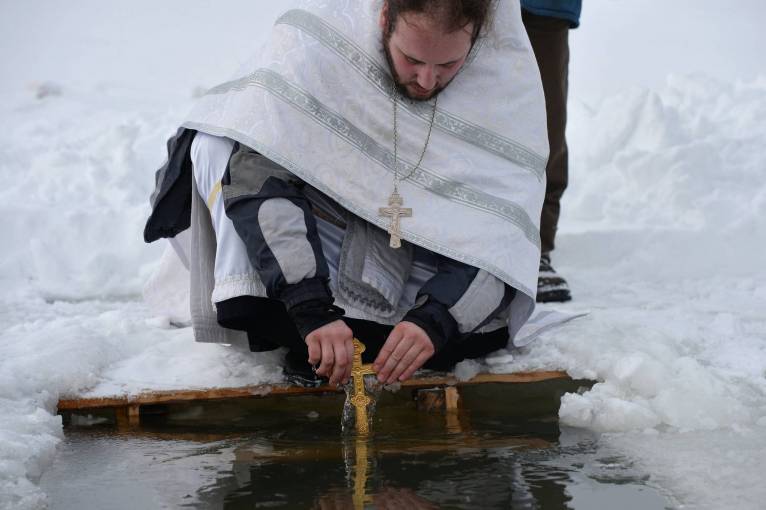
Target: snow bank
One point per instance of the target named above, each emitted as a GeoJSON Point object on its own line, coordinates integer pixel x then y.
{"type": "Point", "coordinates": [56, 349]}
{"type": "Point", "coordinates": [662, 239]}
{"type": "Point", "coordinates": [680, 206]}
{"type": "Point", "coordinates": [686, 157]}
{"type": "Point", "coordinates": [29, 433]}
{"type": "Point", "coordinates": [78, 171]}
{"type": "Point", "coordinates": [668, 256]}
{"type": "Point", "coordinates": [76, 182]}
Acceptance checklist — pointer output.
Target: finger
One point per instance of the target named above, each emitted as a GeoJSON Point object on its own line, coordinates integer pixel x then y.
{"type": "Point", "coordinates": [393, 360]}
{"type": "Point", "coordinates": [392, 341]}
{"type": "Point", "coordinates": [315, 351]}
{"type": "Point", "coordinates": [328, 359]}
{"type": "Point", "coordinates": [341, 361]}
{"type": "Point", "coordinates": [416, 364]}
{"type": "Point", "coordinates": [405, 362]}
{"type": "Point", "coordinates": [402, 349]}
{"type": "Point", "coordinates": [350, 351]}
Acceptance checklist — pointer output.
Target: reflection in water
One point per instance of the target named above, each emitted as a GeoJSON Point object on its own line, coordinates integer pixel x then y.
{"type": "Point", "coordinates": [388, 498]}
{"type": "Point", "coordinates": [291, 455]}
{"type": "Point", "coordinates": [358, 470]}
{"type": "Point", "coordinates": [455, 471]}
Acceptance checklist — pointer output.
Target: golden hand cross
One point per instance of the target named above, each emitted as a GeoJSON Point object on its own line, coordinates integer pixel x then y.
{"type": "Point", "coordinates": [360, 399]}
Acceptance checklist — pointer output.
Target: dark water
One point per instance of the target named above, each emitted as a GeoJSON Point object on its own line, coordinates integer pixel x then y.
{"type": "Point", "coordinates": [504, 449]}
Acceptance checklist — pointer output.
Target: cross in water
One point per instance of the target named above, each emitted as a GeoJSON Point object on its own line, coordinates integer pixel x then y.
{"type": "Point", "coordinates": [360, 399]}
{"type": "Point", "coordinates": [395, 211]}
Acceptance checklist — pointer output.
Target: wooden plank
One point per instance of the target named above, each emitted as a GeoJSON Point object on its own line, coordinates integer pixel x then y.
{"type": "Point", "coordinates": [175, 396]}
{"type": "Point", "coordinates": [134, 414]}
{"type": "Point", "coordinates": [160, 397]}
{"type": "Point", "coordinates": [518, 377]}
{"type": "Point", "coordinates": [128, 416]}
{"type": "Point", "coordinates": [67, 404]}
{"type": "Point", "coordinates": [121, 416]}
{"type": "Point", "coordinates": [451, 398]}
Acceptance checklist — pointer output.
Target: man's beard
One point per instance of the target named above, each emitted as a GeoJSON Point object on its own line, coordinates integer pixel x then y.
{"type": "Point", "coordinates": [400, 87]}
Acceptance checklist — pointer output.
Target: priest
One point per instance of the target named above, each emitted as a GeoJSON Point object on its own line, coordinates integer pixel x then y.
{"type": "Point", "coordinates": [367, 175]}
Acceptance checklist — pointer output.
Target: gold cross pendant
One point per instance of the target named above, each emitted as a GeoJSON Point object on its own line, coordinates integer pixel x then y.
{"type": "Point", "coordinates": [359, 397]}
{"type": "Point", "coordinates": [395, 211]}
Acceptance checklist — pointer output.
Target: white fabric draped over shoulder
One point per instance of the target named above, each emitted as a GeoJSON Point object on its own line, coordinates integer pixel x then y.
{"type": "Point", "coordinates": [318, 101]}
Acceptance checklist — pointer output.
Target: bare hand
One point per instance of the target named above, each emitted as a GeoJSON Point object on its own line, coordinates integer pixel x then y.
{"type": "Point", "coordinates": [332, 347]}
{"type": "Point", "coordinates": [405, 350]}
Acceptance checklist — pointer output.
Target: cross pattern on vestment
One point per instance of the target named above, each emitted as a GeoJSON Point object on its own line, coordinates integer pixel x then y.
{"type": "Point", "coordinates": [395, 211]}
{"type": "Point", "coordinates": [360, 399]}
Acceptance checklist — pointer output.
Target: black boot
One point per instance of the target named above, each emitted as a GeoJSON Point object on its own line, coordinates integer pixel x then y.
{"type": "Point", "coordinates": [550, 286]}
{"type": "Point", "coordinates": [298, 372]}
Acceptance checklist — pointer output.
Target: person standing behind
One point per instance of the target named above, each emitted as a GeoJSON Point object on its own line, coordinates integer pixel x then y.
{"type": "Point", "coordinates": [548, 23]}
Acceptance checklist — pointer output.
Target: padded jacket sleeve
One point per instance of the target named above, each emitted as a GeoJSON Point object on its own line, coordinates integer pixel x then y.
{"type": "Point", "coordinates": [458, 300]}
{"type": "Point", "coordinates": [274, 219]}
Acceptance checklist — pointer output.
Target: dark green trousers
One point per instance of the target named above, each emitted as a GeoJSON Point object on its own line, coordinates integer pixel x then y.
{"type": "Point", "coordinates": [550, 42]}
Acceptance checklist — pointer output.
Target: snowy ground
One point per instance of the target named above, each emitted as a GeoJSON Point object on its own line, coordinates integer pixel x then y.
{"type": "Point", "coordinates": [661, 238]}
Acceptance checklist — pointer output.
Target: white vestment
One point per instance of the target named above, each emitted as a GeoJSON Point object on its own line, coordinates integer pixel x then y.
{"type": "Point", "coordinates": [318, 101]}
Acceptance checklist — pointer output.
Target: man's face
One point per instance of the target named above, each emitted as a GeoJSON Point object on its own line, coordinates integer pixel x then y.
{"type": "Point", "coordinates": [423, 58]}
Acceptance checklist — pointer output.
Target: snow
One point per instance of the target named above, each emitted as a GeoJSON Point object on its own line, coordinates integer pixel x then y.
{"type": "Point", "coordinates": [661, 238]}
